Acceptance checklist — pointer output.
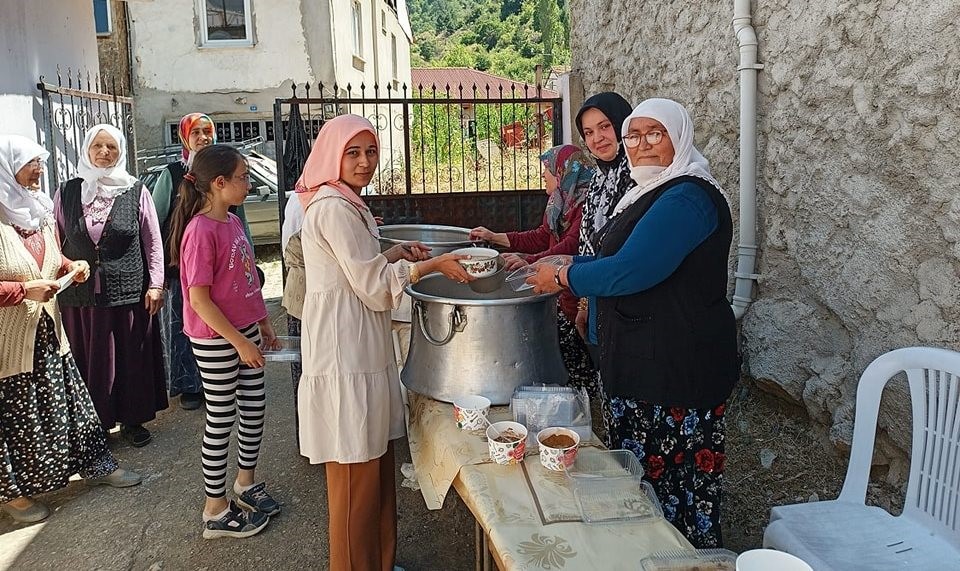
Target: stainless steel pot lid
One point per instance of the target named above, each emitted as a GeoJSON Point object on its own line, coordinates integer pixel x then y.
{"type": "Point", "coordinates": [429, 234]}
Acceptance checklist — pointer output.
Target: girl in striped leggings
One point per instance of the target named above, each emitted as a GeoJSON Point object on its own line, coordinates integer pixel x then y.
{"type": "Point", "coordinates": [226, 320]}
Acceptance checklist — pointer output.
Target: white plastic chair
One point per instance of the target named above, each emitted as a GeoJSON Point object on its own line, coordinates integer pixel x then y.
{"type": "Point", "coordinates": [846, 535]}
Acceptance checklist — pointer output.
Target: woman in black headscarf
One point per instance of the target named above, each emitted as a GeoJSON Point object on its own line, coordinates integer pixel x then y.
{"type": "Point", "coordinates": [598, 122]}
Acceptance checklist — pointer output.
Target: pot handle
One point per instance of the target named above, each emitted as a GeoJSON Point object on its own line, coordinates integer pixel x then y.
{"type": "Point", "coordinates": [457, 322]}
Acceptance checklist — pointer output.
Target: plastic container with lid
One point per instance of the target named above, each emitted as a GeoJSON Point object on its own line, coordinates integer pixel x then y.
{"type": "Point", "coordinates": [608, 487]}
{"type": "Point", "coordinates": [690, 560]}
{"type": "Point", "coordinates": [289, 350]}
{"type": "Point", "coordinates": [595, 464]}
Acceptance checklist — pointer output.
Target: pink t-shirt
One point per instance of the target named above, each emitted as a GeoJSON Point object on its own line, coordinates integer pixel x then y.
{"type": "Point", "coordinates": [217, 254]}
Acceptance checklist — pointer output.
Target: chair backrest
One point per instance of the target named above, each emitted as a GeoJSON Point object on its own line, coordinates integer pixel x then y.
{"type": "Point", "coordinates": [933, 491]}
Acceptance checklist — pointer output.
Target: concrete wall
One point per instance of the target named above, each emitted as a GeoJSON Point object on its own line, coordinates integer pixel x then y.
{"type": "Point", "coordinates": [175, 75]}
{"type": "Point", "coordinates": [859, 117]}
{"type": "Point", "coordinates": [35, 37]}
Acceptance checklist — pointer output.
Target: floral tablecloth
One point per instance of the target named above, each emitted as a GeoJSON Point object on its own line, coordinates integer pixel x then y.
{"type": "Point", "coordinates": [528, 512]}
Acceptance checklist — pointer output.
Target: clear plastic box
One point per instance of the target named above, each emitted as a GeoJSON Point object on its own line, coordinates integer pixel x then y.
{"type": "Point", "coordinates": [289, 350]}
{"type": "Point", "coordinates": [690, 560]}
{"type": "Point", "coordinates": [608, 487]}
{"type": "Point", "coordinates": [595, 464]}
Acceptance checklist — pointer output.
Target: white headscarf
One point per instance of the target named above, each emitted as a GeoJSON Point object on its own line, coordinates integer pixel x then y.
{"type": "Point", "coordinates": [108, 182]}
{"type": "Point", "coordinates": [20, 206]}
{"type": "Point", "coordinates": [687, 160]}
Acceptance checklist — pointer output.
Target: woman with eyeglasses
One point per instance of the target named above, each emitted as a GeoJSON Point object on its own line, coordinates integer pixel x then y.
{"type": "Point", "coordinates": [49, 428]}
{"type": "Point", "coordinates": [106, 217]}
{"type": "Point", "coordinates": [666, 332]}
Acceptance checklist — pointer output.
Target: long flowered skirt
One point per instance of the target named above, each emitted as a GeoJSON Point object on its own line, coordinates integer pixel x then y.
{"type": "Point", "coordinates": [682, 452]}
{"type": "Point", "coordinates": [178, 357]}
{"type": "Point", "coordinates": [120, 356]}
{"type": "Point", "coordinates": [296, 369]}
{"type": "Point", "coordinates": [49, 429]}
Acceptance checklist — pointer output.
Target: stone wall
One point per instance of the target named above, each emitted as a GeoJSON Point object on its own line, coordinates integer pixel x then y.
{"type": "Point", "coordinates": [858, 195]}
{"type": "Point", "coordinates": [114, 53]}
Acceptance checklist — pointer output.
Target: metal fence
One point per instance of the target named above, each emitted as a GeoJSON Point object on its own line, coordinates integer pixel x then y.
{"type": "Point", "coordinates": [449, 154]}
{"type": "Point", "coordinates": [71, 107]}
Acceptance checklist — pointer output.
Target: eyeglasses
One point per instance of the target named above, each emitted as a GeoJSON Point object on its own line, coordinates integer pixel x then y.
{"type": "Point", "coordinates": [633, 140]}
{"type": "Point", "coordinates": [35, 163]}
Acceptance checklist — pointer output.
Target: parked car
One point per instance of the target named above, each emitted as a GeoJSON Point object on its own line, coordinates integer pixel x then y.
{"type": "Point", "coordinates": [261, 207]}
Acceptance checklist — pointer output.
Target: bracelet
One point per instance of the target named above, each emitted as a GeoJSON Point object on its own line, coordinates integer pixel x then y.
{"type": "Point", "coordinates": [556, 277]}
{"type": "Point", "coordinates": [583, 304]}
{"type": "Point", "coordinates": [414, 273]}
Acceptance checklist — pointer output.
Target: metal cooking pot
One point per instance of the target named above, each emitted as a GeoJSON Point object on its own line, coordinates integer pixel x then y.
{"type": "Point", "coordinates": [467, 343]}
{"type": "Point", "coordinates": [441, 239]}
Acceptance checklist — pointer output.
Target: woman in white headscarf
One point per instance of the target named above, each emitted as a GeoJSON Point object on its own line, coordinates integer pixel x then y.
{"type": "Point", "coordinates": [106, 217]}
{"type": "Point", "coordinates": [667, 335]}
{"type": "Point", "coordinates": [49, 429]}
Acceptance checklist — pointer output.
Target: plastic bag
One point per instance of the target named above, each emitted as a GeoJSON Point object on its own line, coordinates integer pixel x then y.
{"type": "Point", "coordinates": [542, 406]}
{"type": "Point", "coordinates": [517, 279]}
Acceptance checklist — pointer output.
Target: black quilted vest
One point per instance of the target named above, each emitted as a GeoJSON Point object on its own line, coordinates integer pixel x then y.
{"type": "Point", "coordinates": [117, 258]}
{"type": "Point", "coordinates": [674, 344]}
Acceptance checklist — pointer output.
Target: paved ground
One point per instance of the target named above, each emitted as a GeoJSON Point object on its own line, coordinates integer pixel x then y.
{"type": "Point", "coordinates": [157, 525]}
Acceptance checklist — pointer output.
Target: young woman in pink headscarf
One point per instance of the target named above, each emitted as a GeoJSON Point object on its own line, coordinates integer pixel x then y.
{"type": "Point", "coordinates": [349, 395]}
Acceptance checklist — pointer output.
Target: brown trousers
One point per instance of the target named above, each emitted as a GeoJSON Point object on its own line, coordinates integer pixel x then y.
{"type": "Point", "coordinates": [362, 502]}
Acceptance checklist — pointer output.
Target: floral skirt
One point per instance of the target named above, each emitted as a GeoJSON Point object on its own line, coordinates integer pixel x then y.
{"type": "Point", "coordinates": [49, 429]}
{"type": "Point", "coordinates": [296, 369]}
{"type": "Point", "coordinates": [682, 452]}
{"type": "Point", "coordinates": [579, 366]}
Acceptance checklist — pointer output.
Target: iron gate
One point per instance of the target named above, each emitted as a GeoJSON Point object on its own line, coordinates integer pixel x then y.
{"type": "Point", "coordinates": [69, 110]}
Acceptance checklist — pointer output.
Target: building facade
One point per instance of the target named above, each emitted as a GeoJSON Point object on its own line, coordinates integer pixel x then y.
{"type": "Point", "coordinates": [232, 58]}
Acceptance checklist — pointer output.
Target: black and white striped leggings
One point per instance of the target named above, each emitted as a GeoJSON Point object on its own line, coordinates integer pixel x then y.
{"type": "Point", "coordinates": [229, 385]}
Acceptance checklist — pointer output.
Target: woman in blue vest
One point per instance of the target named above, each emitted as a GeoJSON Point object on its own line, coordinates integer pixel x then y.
{"type": "Point", "coordinates": [106, 217]}
{"type": "Point", "coordinates": [666, 333]}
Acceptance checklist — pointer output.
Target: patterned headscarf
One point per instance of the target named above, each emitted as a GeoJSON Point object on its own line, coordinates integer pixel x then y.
{"type": "Point", "coordinates": [187, 123]}
{"type": "Point", "coordinates": [566, 163]}
{"type": "Point", "coordinates": [20, 206]}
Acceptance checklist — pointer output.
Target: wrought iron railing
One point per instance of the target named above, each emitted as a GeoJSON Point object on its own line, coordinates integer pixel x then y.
{"type": "Point", "coordinates": [71, 107]}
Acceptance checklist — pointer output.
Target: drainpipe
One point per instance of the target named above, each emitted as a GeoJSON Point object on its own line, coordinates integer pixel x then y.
{"type": "Point", "coordinates": [749, 69]}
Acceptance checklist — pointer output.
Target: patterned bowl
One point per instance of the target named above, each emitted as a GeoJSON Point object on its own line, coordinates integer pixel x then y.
{"type": "Point", "coordinates": [557, 458]}
{"type": "Point", "coordinates": [507, 441]}
{"type": "Point", "coordinates": [481, 263]}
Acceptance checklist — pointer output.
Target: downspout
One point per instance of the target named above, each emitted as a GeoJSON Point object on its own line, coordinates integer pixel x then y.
{"type": "Point", "coordinates": [749, 69]}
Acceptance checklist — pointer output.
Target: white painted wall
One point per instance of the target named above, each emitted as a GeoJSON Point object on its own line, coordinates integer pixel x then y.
{"type": "Point", "coordinates": [168, 56]}
{"type": "Point", "coordinates": [36, 36]}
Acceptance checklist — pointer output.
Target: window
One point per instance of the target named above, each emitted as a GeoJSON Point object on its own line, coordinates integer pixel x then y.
{"type": "Point", "coordinates": [393, 54]}
{"type": "Point", "coordinates": [357, 29]}
{"type": "Point", "coordinates": [226, 23]}
{"type": "Point", "coordinates": [102, 17]}
{"type": "Point", "coordinates": [383, 21]}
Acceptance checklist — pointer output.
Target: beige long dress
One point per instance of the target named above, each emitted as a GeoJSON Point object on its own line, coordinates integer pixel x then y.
{"type": "Point", "coordinates": [349, 396]}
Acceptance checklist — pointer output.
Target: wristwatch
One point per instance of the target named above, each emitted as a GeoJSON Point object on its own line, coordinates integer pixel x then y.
{"type": "Point", "coordinates": [556, 277]}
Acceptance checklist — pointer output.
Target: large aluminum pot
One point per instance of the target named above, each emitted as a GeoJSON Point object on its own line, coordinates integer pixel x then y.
{"type": "Point", "coordinates": [441, 239]}
{"type": "Point", "coordinates": [468, 343]}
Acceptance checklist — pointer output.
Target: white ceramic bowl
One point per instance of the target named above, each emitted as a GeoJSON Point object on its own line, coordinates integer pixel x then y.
{"type": "Point", "coordinates": [768, 559]}
{"type": "Point", "coordinates": [557, 458]}
{"type": "Point", "coordinates": [470, 412]}
{"type": "Point", "coordinates": [482, 261]}
{"type": "Point", "coordinates": [512, 451]}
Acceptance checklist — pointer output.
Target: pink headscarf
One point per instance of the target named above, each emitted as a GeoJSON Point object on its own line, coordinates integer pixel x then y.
{"type": "Point", "coordinates": [323, 164]}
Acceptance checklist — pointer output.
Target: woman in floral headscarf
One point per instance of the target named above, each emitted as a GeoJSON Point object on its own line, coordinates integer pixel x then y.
{"type": "Point", "coordinates": [567, 177]}
{"type": "Point", "coordinates": [106, 217]}
{"type": "Point", "coordinates": [349, 396]}
{"type": "Point", "coordinates": [196, 131]}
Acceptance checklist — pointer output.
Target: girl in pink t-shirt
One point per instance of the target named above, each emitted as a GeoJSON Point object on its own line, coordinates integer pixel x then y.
{"type": "Point", "coordinates": [226, 320]}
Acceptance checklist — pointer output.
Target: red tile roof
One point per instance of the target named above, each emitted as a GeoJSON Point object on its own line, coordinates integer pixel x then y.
{"type": "Point", "coordinates": [441, 77]}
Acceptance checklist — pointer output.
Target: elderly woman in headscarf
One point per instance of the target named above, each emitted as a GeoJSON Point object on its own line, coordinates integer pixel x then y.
{"type": "Point", "coordinates": [668, 348]}
{"type": "Point", "coordinates": [349, 396]}
{"type": "Point", "coordinates": [106, 217]}
{"type": "Point", "coordinates": [49, 429]}
{"type": "Point", "coordinates": [195, 131]}
{"type": "Point", "coordinates": [567, 178]}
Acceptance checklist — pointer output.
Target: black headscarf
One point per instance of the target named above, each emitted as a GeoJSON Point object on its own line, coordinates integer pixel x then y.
{"type": "Point", "coordinates": [617, 109]}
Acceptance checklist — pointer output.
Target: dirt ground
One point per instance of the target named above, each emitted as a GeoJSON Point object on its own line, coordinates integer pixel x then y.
{"type": "Point", "coordinates": [156, 525]}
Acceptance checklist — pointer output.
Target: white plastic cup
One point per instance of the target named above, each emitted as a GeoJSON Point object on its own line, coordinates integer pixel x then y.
{"type": "Point", "coordinates": [557, 459]}
{"type": "Point", "coordinates": [770, 560]}
{"type": "Point", "coordinates": [470, 412]}
{"type": "Point", "coordinates": [507, 452]}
